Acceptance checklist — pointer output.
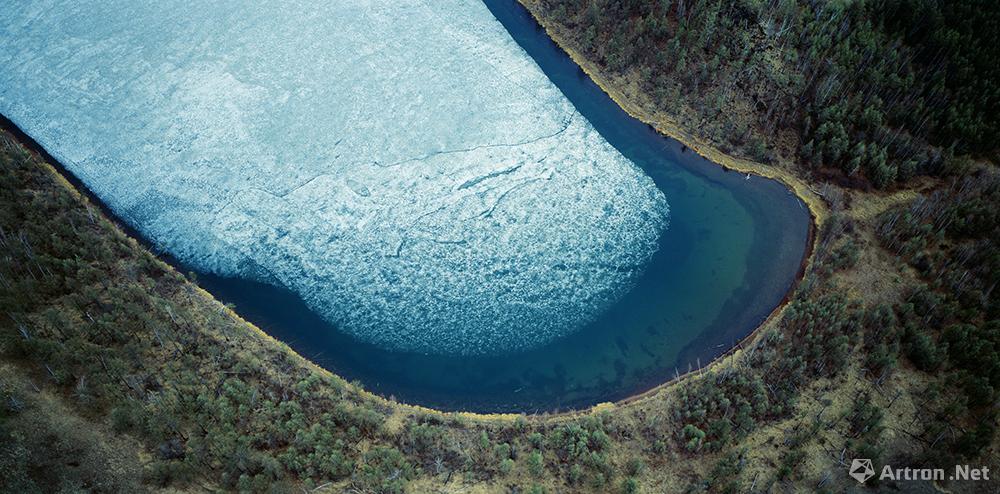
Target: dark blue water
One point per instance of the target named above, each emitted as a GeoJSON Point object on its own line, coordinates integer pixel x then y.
{"type": "Point", "coordinates": [732, 252]}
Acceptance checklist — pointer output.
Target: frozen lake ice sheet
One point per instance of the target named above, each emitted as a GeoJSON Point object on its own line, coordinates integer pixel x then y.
{"type": "Point", "coordinates": [403, 166]}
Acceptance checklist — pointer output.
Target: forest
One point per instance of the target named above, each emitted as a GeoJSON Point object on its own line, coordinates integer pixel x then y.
{"type": "Point", "coordinates": [868, 93]}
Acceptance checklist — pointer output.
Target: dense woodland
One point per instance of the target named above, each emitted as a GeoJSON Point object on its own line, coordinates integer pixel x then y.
{"type": "Point", "coordinates": [881, 90]}
{"type": "Point", "coordinates": [949, 324]}
{"type": "Point", "coordinates": [118, 375]}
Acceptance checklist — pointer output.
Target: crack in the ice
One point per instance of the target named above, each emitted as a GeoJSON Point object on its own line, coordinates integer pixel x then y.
{"type": "Point", "coordinates": [473, 181]}
{"type": "Point", "coordinates": [489, 211]}
{"type": "Point", "coordinates": [565, 126]}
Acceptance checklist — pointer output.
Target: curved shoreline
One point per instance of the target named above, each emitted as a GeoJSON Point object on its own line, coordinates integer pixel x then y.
{"type": "Point", "coordinates": [669, 128]}
{"type": "Point", "coordinates": [814, 204]}
{"type": "Point", "coordinates": [82, 193]}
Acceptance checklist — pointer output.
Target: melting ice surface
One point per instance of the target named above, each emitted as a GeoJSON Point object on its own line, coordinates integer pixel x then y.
{"type": "Point", "coordinates": [403, 165]}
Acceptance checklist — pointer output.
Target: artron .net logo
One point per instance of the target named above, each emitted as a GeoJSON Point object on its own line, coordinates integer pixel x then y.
{"type": "Point", "coordinates": [862, 470]}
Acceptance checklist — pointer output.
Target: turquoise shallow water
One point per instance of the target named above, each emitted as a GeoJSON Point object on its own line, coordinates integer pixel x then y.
{"type": "Point", "coordinates": [730, 255]}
